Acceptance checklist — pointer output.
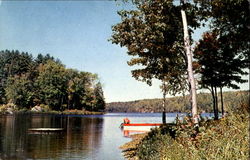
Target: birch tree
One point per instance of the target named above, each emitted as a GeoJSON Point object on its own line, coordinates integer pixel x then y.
{"type": "Point", "coordinates": [153, 35]}
{"type": "Point", "coordinates": [189, 62]}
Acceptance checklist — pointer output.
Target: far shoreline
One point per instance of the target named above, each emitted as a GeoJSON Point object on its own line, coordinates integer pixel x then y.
{"type": "Point", "coordinates": [52, 112]}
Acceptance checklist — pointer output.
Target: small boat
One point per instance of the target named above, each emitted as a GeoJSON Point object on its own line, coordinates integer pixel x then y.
{"type": "Point", "coordinates": [140, 127]}
{"type": "Point", "coordinates": [45, 130]}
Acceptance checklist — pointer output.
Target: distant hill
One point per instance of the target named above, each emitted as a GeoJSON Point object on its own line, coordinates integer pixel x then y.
{"type": "Point", "coordinates": [181, 103]}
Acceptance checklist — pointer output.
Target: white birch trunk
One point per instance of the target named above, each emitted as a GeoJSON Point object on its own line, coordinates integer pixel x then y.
{"type": "Point", "coordinates": [190, 68]}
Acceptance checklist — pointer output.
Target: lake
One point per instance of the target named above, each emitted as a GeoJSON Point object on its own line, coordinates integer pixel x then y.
{"type": "Point", "coordinates": [96, 137]}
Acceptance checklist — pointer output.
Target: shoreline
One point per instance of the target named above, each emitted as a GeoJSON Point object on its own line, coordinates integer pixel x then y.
{"type": "Point", "coordinates": [65, 112]}
{"type": "Point", "coordinates": [129, 149]}
{"type": "Point", "coordinates": [213, 139]}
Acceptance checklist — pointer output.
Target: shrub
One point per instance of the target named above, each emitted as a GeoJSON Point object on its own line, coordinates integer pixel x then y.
{"type": "Point", "coordinates": [45, 108]}
{"type": "Point", "coordinates": [3, 108]}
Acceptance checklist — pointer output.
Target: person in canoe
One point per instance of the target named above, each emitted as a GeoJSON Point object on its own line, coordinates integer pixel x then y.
{"type": "Point", "coordinates": [125, 121]}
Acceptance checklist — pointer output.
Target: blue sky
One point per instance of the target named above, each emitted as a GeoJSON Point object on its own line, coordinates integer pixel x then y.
{"type": "Point", "coordinates": [77, 33]}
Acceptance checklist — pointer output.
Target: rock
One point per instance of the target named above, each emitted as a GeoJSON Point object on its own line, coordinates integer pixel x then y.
{"type": "Point", "coordinates": [37, 109]}
{"type": "Point", "coordinates": [9, 110]}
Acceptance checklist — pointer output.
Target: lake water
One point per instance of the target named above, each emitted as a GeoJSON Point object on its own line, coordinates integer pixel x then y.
{"type": "Point", "coordinates": [85, 137]}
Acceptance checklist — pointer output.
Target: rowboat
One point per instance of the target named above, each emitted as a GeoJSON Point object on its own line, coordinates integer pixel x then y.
{"type": "Point", "coordinates": [143, 127]}
{"type": "Point", "coordinates": [45, 130]}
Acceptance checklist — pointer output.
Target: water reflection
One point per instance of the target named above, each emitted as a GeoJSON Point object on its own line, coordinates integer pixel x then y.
{"type": "Point", "coordinates": [81, 135]}
{"type": "Point", "coordinates": [129, 133]}
{"type": "Point", "coordinates": [96, 137]}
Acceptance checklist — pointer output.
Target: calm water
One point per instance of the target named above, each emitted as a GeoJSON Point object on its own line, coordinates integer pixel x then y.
{"type": "Point", "coordinates": [85, 137]}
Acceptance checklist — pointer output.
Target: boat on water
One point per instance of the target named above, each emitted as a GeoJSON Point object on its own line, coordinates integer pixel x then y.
{"type": "Point", "coordinates": [45, 130]}
{"type": "Point", "coordinates": [140, 127]}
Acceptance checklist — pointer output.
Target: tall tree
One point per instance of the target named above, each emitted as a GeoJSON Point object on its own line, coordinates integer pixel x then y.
{"type": "Point", "coordinates": [51, 84]}
{"type": "Point", "coordinates": [99, 97]}
{"type": "Point", "coordinates": [20, 91]}
{"type": "Point", "coordinates": [230, 20]}
{"type": "Point", "coordinates": [190, 63]}
{"type": "Point", "coordinates": [12, 63]}
{"type": "Point", "coordinates": [164, 93]}
{"type": "Point", "coordinates": [219, 66]}
{"type": "Point", "coordinates": [80, 89]}
{"type": "Point", "coordinates": [153, 36]}
{"type": "Point", "coordinates": [72, 89]}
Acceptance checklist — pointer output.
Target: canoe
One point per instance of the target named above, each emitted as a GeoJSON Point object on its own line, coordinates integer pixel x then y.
{"type": "Point", "coordinates": [140, 126]}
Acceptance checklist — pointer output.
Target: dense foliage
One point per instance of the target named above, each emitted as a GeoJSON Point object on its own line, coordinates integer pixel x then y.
{"type": "Point", "coordinates": [27, 82]}
{"type": "Point", "coordinates": [218, 66]}
{"type": "Point", "coordinates": [153, 36]}
{"type": "Point", "coordinates": [230, 18]}
{"type": "Point", "coordinates": [180, 104]}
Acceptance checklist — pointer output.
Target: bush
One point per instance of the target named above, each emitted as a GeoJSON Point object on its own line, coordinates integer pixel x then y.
{"type": "Point", "coordinates": [3, 108]}
{"type": "Point", "coordinates": [45, 108]}
{"type": "Point", "coordinates": [8, 108]}
{"type": "Point", "coordinates": [149, 148]}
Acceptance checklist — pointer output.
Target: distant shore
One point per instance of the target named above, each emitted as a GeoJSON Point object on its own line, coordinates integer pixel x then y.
{"type": "Point", "coordinates": [179, 103]}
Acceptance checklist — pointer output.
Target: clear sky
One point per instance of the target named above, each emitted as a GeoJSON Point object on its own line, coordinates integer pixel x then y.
{"type": "Point", "coordinates": [77, 33]}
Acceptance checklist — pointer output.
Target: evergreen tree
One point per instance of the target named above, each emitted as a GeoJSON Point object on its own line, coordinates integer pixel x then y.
{"type": "Point", "coordinates": [99, 97]}
{"type": "Point", "coordinates": [12, 63]}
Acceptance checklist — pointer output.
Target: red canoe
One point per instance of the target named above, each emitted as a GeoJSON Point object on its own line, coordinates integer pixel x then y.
{"type": "Point", "coordinates": [140, 126]}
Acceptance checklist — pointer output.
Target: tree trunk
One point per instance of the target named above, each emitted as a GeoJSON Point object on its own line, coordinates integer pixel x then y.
{"type": "Point", "coordinates": [216, 116]}
{"type": "Point", "coordinates": [212, 92]}
{"type": "Point", "coordinates": [221, 100]}
{"type": "Point", "coordinates": [190, 68]}
{"type": "Point", "coordinates": [164, 117]}
{"type": "Point", "coordinates": [164, 104]}
{"type": "Point", "coordinates": [68, 104]}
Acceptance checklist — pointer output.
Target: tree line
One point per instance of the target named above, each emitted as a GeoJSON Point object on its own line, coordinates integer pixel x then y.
{"type": "Point", "coordinates": [27, 82]}
{"type": "Point", "coordinates": [233, 100]}
{"type": "Point", "coordinates": [153, 35]}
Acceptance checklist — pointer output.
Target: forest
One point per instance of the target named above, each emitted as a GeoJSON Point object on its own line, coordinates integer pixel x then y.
{"type": "Point", "coordinates": [231, 99]}
{"type": "Point", "coordinates": [44, 81]}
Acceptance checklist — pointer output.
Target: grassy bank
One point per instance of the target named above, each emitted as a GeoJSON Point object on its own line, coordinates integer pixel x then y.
{"type": "Point", "coordinates": [227, 138]}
